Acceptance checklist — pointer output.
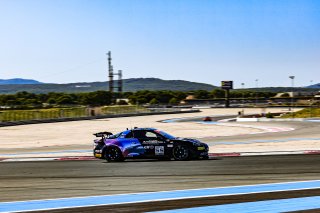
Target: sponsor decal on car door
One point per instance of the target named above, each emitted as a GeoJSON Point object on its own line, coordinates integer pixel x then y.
{"type": "Point", "coordinates": [153, 144]}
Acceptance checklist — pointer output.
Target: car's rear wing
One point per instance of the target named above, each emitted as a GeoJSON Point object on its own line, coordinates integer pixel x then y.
{"type": "Point", "coordinates": [103, 134]}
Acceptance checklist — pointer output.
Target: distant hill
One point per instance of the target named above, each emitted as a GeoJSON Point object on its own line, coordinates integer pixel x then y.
{"type": "Point", "coordinates": [129, 85]}
{"type": "Point", "coordinates": [18, 81]}
{"type": "Point", "coordinates": [316, 86]}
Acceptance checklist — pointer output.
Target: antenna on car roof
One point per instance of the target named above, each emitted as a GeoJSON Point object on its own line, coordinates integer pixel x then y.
{"type": "Point", "coordinates": [131, 130]}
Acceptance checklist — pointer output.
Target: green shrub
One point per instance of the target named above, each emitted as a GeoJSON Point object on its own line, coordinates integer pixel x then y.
{"type": "Point", "coordinates": [269, 115]}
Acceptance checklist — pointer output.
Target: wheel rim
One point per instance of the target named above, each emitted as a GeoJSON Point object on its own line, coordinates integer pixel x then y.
{"type": "Point", "coordinates": [113, 154]}
{"type": "Point", "coordinates": [180, 153]}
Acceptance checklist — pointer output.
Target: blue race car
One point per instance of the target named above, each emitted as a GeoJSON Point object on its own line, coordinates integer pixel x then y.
{"type": "Point", "coordinates": [147, 143]}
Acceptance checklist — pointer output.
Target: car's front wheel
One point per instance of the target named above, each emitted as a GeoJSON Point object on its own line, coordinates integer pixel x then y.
{"type": "Point", "coordinates": [114, 154]}
{"type": "Point", "coordinates": [181, 152]}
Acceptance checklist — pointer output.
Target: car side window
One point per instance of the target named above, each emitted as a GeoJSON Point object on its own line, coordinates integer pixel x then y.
{"type": "Point", "coordinates": [139, 134]}
{"type": "Point", "coordinates": [129, 135]}
{"type": "Point", "coordinates": [151, 135]}
{"type": "Point", "coordinates": [136, 134]}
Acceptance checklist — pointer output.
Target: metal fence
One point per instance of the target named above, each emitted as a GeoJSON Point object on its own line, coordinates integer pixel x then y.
{"type": "Point", "coordinates": [41, 114]}
{"type": "Point", "coordinates": [76, 112]}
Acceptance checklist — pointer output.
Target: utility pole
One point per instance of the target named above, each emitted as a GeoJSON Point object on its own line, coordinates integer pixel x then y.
{"type": "Point", "coordinates": [110, 69]}
{"type": "Point", "coordinates": [120, 81]}
{"type": "Point", "coordinates": [257, 80]}
{"type": "Point", "coordinates": [242, 85]}
{"type": "Point", "coordinates": [111, 79]}
{"type": "Point", "coordinates": [292, 85]}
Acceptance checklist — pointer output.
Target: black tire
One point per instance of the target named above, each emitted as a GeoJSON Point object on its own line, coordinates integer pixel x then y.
{"type": "Point", "coordinates": [113, 154]}
{"type": "Point", "coordinates": [205, 157]}
{"type": "Point", "coordinates": [181, 152]}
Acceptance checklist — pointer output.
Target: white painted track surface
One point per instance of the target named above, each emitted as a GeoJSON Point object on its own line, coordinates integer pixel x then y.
{"type": "Point", "coordinates": [75, 138]}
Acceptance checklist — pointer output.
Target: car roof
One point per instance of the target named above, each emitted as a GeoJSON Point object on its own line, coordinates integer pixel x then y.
{"type": "Point", "coordinates": [135, 129]}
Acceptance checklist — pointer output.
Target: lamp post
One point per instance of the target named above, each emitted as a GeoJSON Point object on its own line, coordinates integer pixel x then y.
{"type": "Point", "coordinates": [242, 85]}
{"type": "Point", "coordinates": [257, 92]}
{"type": "Point", "coordinates": [242, 112]}
{"type": "Point", "coordinates": [311, 101]}
{"type": "Point", "coordinates": [292, 85]}
{"type": "Point", "coordinates": [292, 80]}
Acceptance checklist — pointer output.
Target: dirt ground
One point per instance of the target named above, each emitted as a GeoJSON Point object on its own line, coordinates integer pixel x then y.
{"type": "Point", "coordinates": [78, 135]}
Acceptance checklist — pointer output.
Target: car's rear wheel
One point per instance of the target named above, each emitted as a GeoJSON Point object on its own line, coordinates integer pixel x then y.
{"type": "Point", "coordinates": [114, 154]}
{"type": "Point", "coordinates": [181, 152]}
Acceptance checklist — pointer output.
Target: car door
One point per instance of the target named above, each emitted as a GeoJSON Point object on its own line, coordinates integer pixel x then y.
{"type": "Point", "coordinates": [132, 146]}
{"type": "Point", "coordinates": [152, 143]}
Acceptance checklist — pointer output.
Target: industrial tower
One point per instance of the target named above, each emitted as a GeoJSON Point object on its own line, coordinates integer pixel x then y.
{"type": "Point", "coordinates": [111, 75]}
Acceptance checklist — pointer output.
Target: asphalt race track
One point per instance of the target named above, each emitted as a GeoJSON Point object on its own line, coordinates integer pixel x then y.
{"type": "Point", "coordinates": [301, 130]}
{"type": "Point", "coordinates": [58, 179]}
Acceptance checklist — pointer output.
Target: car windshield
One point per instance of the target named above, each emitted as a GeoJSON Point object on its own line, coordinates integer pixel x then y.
{"type": "Point", "coordinates": [166, 135]}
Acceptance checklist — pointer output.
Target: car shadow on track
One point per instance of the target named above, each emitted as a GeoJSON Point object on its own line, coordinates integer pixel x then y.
{"type": "Point", "coordinates": [157, 160]}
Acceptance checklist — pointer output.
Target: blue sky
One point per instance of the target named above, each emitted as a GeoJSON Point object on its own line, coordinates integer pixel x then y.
{"type": "Point", "coordinates": [63, 41]}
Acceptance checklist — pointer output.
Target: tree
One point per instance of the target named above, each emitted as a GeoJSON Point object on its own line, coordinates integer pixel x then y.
{"type": "Point", "coordinates": [122, 102]}
{"type": "Point", "coordinates": [201, 94]}
{"type": "Point", "coordinates": [285, 95]}
{"type": "Point", "coordinates": [173, 101]}
{"type": "Point", "coordinates": [51, 101]}
{"type": "Point", "coordinates": [163, 96]}
{"type": "Point", "coordinates": [98, 98]}
{"type": "Point", "coordinates": [154, 101]}
{"type": "Point", "coordinates": [65, 99]}
{"type": "Point", "coordinates": [179, 95]}
{"type": "Point", "coordinates": [217, 93]}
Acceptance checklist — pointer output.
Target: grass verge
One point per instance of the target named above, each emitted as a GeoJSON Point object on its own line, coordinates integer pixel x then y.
{"type": "Point", "coordinates": [304, 113]}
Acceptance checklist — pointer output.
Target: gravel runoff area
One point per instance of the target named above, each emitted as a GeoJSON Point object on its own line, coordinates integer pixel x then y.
{"type": "Point", "coordinates": [68, 138]}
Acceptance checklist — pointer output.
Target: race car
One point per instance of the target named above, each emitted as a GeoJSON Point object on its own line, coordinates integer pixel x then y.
{"type": "Point", "coordinates": [147, 143]}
